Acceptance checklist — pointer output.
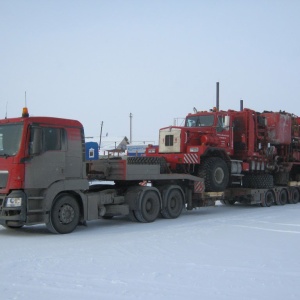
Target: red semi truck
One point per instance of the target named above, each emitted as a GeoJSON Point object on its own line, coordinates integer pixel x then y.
{"type": "Point", "coordinates": [45, 179]}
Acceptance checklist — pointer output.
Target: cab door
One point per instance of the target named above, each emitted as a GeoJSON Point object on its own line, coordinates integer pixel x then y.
{"type": "Point", "coordinates": [224, 132]}
{"type": "Point", "coordinates": [46, 162]}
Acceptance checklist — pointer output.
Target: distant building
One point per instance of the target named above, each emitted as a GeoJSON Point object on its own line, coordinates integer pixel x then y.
{"type": "Point", "coordinates": [111, 146]}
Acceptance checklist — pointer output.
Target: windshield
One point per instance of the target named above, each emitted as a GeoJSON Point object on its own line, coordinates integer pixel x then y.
{"type": "Point", "coordinates": [196, 121]}
{"type": "Point", "coordinates": [10, 138]}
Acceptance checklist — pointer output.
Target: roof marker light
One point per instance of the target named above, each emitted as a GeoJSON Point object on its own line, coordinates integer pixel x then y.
{"type": "Point", "coordinates": [25, 113]}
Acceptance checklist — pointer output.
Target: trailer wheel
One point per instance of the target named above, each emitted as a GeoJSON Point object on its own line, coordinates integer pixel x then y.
{"type": "Point", "coordinates": [215, 172]}
{"type": "Point", "coordinates": [174, 205]}
{"type": "Point", "coordinates": [294, 196]}
{"type": "Point", "coordinates": [132, 216]}
{"type": "Point", "coordinates": [64, 215]}
{"type": "Point", "coordinates": [282, 197]}
{"type": "Point", "coordinates": [149, 207]}
{"type": "Point", "coordinates": [268, 199]}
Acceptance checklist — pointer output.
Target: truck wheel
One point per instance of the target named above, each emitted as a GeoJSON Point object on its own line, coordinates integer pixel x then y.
{"type": "Point", "coordinates": [64, 215]}
{"type": "Point", "coordinates": [215, 172]}
{"type": "Point", "coordinates": [149, 207]}
{"type": "Point", "coordinates": [174, 205]}
{"type": "Point", "coordinates": [282, 197]}
{"type": "Point", "coordinates": [132, 216]}
{"type": "Point", "coordinates": [294, 196]}
{"type": "Point", "coordinates": [268, 199]}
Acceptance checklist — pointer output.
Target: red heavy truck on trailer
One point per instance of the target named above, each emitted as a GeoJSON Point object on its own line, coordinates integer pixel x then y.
{"type": "Point", "coordinates": [230, 148]}
{"type": "Point", "coordinates": [44, 178]}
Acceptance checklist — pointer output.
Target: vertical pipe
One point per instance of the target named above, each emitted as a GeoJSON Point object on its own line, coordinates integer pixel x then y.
{"type": "Point", "coordinates": [241, 105]}
{"type": "Point", "coordinates": [130, 139]}
{"type": "Point", "coordinates": [217, 96]}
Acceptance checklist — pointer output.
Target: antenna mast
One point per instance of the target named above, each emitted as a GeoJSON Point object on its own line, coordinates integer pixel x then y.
{"type": "Point", "coordinates": [6, 110]}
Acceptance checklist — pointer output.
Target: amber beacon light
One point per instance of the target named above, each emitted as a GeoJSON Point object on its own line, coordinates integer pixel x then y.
{"type": "Point", "coordinates": [25, 113]}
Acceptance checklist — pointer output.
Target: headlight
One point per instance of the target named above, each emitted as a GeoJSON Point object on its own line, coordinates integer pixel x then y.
{"type": "Point", "coordinates": [13, 202]}
{"type": "Point", "coordinates": [194, 149]}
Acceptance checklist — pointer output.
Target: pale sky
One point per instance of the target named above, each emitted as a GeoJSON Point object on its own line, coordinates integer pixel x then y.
{"type": "Point", "coordinates": [99, 61]}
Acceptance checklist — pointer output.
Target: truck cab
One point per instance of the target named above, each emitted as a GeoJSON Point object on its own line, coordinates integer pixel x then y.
{"type": "Point", "coordinates": [202, 132]}
{"type": "Point", "coordinates": [39, 157]}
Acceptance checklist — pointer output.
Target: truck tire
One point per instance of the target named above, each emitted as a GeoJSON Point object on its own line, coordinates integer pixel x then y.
{"type": "Point", "coordinates": [173, 204]}
{"type": "Point", "coordinates": [294, 196]}
{"type": "Point", "coordinates": [64, 215]}
{"type": "Point", "coordinates": [282, 197]}
{"type": "Point", "coordinates": [215, 172]}
{"type": "Point", "coordinates": [258, 181]}
{"type": "Point", "coordinates": [269, 199]}
{"type": "Point", "coordinates": [149, 207]}
{"type": "Point", "coordinates": [132, 216]}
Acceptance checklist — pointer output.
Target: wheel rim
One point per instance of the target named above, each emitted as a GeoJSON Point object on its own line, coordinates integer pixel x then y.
{"type": "Point", "coordinates": [219, 175]}
{"type": "Point", "coordinates": [173, 203]}
{"type": "Point", "coordinates": [149, 205]}
{"type": "Point", "coordinates": [66, 214]}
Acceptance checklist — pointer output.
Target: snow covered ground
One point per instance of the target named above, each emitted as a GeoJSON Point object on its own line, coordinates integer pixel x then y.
{"type": "Point", "coordinates": [220, 252]}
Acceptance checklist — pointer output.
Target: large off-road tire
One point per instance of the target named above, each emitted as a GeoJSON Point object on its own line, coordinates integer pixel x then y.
{"type": "Point", "coordinates": [149, 207]}
{"type": "Point", "coordinates": [173, 204]}
{"type": "Point", "coordinates": [64, 215]}
{"type": "Point", "coordinates": [258, 181]}
{"type": "Point", "coordinates": [215, 172]}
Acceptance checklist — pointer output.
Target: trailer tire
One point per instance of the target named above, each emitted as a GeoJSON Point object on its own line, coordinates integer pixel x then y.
{"type": "Point", "coordinates": [132, 216]}
{"type": "Point", "coordinates": [282, 197]}
{"type": "Point", "coordinates": [215, 172]}
{"type": "Point", "coordinates": [64, 215]}
{"type": "Point", "coordinates": [173, 205]}
{"type": "Point", "coordinates": [294, 196]}
{"type": "Point", "coordinates": [149, 207]}
{"type": "Point", "coordinates": [269, 199]}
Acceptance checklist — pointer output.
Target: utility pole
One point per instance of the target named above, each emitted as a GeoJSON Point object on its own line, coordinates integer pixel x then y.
{"type": "Point", "coordinates": [130, 139]}
{"type": "Point", "coordinates": [100, 135]}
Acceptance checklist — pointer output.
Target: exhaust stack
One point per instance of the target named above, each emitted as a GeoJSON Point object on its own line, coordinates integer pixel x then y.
{"type": "Point", "coordinates": [241, 105]}
{"type": "Point", "coordinates": [217, 96]}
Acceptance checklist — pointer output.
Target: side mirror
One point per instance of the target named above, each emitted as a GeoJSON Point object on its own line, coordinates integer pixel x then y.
{"type": "Point", "coordinates": [227, 122]}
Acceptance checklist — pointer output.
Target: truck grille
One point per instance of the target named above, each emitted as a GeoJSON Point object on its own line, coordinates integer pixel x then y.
{"type": "Point", "coordinates": [3, 178]}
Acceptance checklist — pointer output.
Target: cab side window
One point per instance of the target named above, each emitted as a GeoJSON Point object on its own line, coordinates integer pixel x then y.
{"type": "Point", "coordinates": [44, 139]}
{"type": "Point", "coordinates": [52, 139]}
